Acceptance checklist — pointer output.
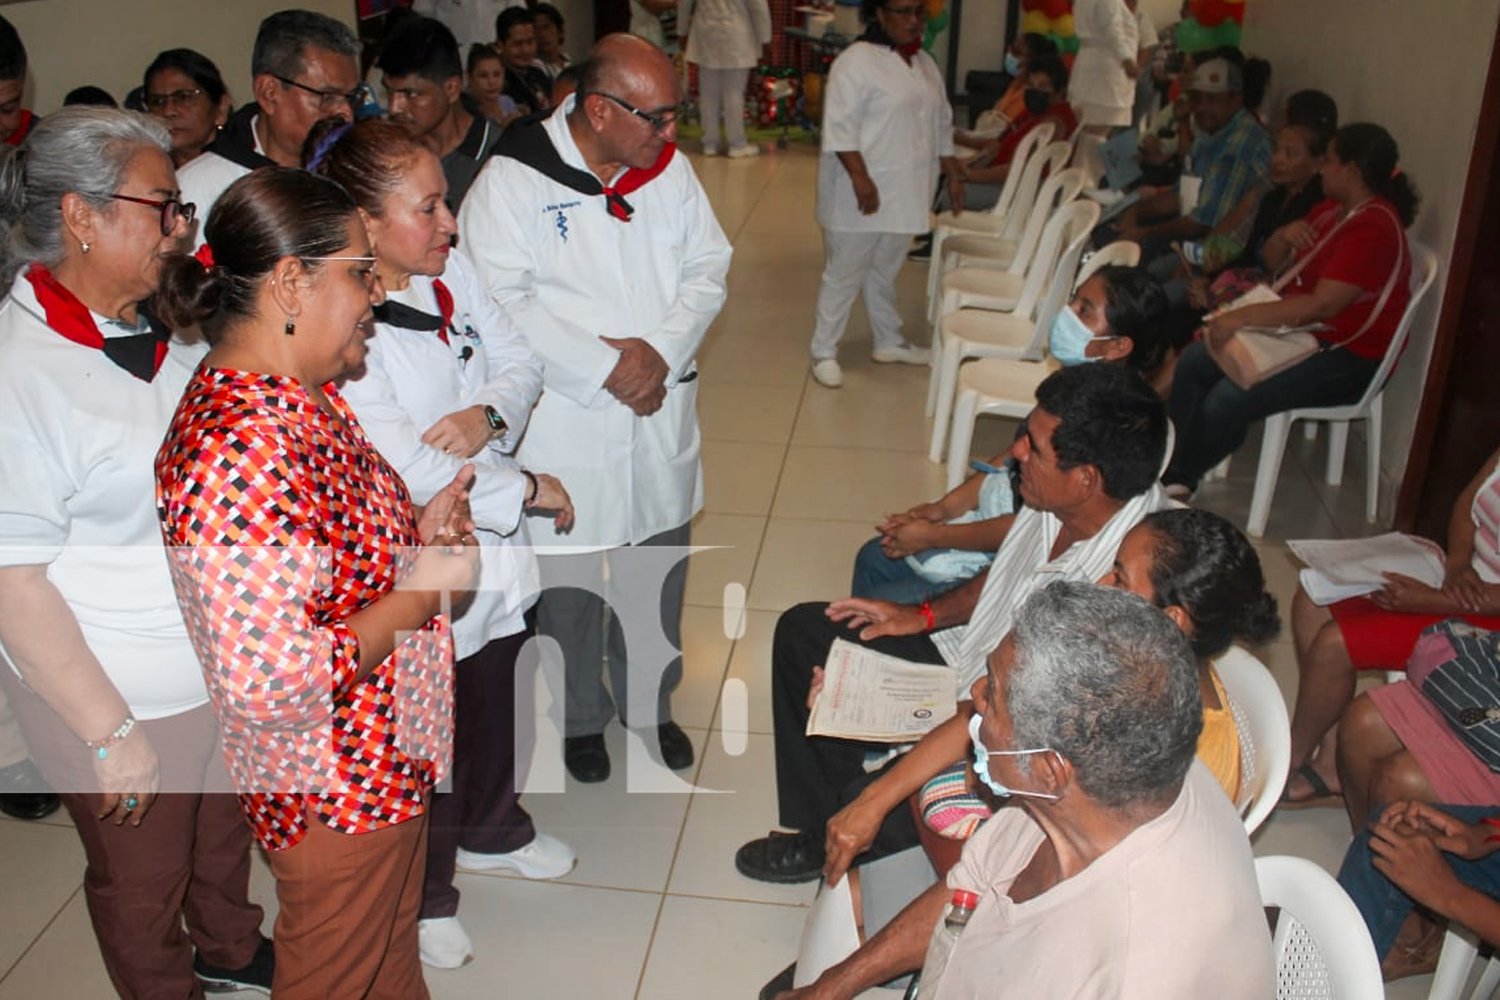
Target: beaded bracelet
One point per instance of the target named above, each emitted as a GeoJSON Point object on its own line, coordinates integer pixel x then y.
{"type": "Point", "coordinates": [114, 739]}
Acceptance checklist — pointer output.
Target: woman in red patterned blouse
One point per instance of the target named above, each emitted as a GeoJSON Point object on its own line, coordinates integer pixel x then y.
{"type": "Point", "coordinates": [299, 565]}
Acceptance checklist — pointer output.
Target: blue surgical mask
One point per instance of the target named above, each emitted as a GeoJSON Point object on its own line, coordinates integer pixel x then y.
{"type": "Point", "coordinates": [1012, 64]}
{"type": "Point", "coordinates": [1069, 338]}
{"type": "Point", "coordinates": [982, 756]}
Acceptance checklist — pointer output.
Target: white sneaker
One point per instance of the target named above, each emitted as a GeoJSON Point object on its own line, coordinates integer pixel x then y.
{"type": "Point", "coordinates": [903, 354]}
{"type": "Point", "coordinates": [828, 373]}
{"type": "Point", "coordinates": [443, 943]}
{"type": "Point", "coordinates": [711, 150]}
{"type": "Point", "coordinates": [740, 152]}
{"type": "Point", "coordinates": [544, 857]}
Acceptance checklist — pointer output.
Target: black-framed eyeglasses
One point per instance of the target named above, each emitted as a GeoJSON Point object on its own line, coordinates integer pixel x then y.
{"type": "Point", "coordinates": [328, 100]}
{"type": "Point", "coordinates": [171, 210]}
{"type": "Point", "coordinates": [159, 102]}
{"type": "Point", "coordinates": [658, 123]}
{"type": "Point", "coordinates": [918, 11]}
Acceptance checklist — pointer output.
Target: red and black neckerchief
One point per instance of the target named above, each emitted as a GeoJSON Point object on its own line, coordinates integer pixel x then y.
{"type": "Point", "coordinates": [404, 317]}
{"type": "Point", "coordinates": [140, 354]}
{"type": "Point", "coordinates": [530, 144]}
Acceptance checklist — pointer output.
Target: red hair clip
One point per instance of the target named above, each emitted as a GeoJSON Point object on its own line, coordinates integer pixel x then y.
{"type": "Point", "coordinates": [204, 255]}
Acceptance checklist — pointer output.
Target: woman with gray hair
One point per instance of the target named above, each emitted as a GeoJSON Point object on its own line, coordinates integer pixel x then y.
{"type": "Point", "coordinates": [1122, 870]}
{"type": "Point", "coordinates": [105, 682]}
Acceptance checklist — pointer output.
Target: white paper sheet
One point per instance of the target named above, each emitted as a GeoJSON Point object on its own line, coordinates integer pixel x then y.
{"type": "Point", "coordinates": [1340, 569]}
{"type": "Point", "coordinates": [829, 934]}
{"type": "Point", "coordinates": [871, 696]}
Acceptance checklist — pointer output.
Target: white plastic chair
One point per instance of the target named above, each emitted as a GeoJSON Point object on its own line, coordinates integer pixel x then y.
{"type": "Point", "coordinates": [1321, 944]}
{"type": "Point", "coordinates": [1021, 183]}
{"type": "Point", "coordinates": [1265, 733]}
{"type": "Point", "coordinates": [1120, 253]}
{"type": "Point", "coordinates": [970, 249]}
{"type": "Point", "coordinates": [987, 283]}
{"type": "Point", "coordinates": [1007, 225]}
{"type": "Point", "coordinates": [1022, 333]}
{"type": "Point", "coordinates": [1460, 949]}
{"type": "Point", "coordinates": [1369, 408]}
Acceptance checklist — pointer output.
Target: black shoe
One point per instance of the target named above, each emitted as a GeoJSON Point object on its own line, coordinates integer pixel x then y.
{"type": "Point", "coordinates": [676, 748]}
{"type": "Point", "coordinates": [586, 758]}
{"type": "Point", "coordinates": [780, 984]}
{"type": "Point", "coordinates": [25, 794]}
{"type": "Point", "coordinates": [255, 976]}
{"type": "Point", "coordinates": [783, 858]}
{"type": "Point", "coordinates": [921, 248]}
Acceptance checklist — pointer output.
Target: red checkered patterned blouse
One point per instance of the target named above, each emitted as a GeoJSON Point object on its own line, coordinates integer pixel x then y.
{"type": "Point", "coordinates": [284, 523]}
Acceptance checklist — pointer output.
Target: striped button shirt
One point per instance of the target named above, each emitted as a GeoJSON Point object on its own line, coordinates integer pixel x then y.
{"type": "Point", "coordinates": [1023, 565]}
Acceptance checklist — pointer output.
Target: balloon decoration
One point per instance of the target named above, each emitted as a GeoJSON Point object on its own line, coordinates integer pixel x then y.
{"type": "Point", "coordinates": [1053, 18]}
{"type": "Point", "coordinates": [1211, 24]}
{"type": "Point", "coordinates": [937, 21]}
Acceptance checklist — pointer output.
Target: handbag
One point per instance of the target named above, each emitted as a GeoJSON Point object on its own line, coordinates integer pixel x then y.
{"type": "Point", "coordinates": [1456, 666]}
{"type": "Point", "coordinates": [1255, 353]}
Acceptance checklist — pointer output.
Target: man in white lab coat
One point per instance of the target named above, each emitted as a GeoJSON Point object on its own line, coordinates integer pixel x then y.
{"type": "Point", "coordinates": [887, 127]}
{"type": "Point", "coordinates": [602, 246]}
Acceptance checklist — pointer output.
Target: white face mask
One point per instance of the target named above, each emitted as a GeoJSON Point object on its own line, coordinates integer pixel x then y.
{"type": "Point", "coordinates": [982, 756]}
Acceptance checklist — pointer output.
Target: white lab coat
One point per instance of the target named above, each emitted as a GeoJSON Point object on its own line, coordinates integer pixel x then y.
{"type": "Point", "coordinates": [899, 118]}
{"type": "Point", "coordinates": [1107, 36]}
{"type": "Point", "coordinates": [647, 25]}
{"type": "Point", "coordinates": [413, 379]}
{"type": "Point", "coordinates": [568, 273]}
{"type": "Point", "coordinates": [724, 34]}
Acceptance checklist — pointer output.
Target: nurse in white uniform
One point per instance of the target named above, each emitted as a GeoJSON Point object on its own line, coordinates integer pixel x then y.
{"type": "Point", "coordinates": [724, 39]}
{"type": "Point", "coordinates": [449, 381]}
{"type": "Point", "coordinates": [1102, 87]}
{"type": "Point", "coordinates": [887, 127]}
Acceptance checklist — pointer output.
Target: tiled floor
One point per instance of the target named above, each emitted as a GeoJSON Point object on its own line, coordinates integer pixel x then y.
{"type": "Point", "coordinates": [796, 475]}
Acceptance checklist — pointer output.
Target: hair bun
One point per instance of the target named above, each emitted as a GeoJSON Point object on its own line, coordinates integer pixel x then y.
{"type": "Point", "coordinates": [191, 289]}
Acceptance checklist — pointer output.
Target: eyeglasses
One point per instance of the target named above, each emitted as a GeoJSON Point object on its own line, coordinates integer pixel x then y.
{"type": "Point", "coordinates": [159, 102]}
{"type": "Point", "coordinates": [367, 273]}
{"type": "Point", "coordinates": [658, 123]}
{"type": "Point", "coordinates": [171, 210]}
{"type": "Point", "coordinates": [919, 11]}
{"type": "Point", "coordinates": [328, 100]}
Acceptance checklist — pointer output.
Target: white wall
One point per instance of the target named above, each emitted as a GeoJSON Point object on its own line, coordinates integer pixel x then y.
{"type": "Point", "coordinates": [110, 42]}
{"type": "Point", "coordinates": [1416, 67]}
{"type": "Point", "coordinates": [981, 41]}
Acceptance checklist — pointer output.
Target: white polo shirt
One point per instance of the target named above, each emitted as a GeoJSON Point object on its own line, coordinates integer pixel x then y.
{"type": "Point", "coordinates": [78, 442]}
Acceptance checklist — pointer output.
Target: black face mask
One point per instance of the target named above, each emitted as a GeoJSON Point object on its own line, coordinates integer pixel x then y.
{"type": "Point", "coordinates": [1037, 101]}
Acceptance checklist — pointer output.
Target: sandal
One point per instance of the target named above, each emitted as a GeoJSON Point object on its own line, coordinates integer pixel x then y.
{"type": "Point", "coordinates": [1322, 795]}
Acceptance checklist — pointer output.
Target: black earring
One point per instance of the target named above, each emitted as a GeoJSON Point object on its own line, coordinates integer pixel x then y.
{"type": "Point", "coordinates": [291, 326]}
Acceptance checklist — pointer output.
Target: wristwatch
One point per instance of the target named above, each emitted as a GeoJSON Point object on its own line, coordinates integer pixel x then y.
{"type": "Point", "coordinates": [497, 422]}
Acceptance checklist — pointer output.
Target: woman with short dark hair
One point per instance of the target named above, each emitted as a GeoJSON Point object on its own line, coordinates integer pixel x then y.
{"type": "Point", "coordinates": [184, 89]}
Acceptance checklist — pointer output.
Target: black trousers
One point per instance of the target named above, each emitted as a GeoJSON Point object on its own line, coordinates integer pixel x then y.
{"type": "Point", "coordinates": [816, 776]}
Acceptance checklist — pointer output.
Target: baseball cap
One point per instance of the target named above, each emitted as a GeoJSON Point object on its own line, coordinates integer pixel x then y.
{"type": "Point", "coordinates": [1218, 76]}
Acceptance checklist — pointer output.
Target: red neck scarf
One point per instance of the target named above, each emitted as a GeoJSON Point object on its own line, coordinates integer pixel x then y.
{"type": "Point", "coordinates": [140, 354]}
{"type": "Point", "coordinates": [633, 179]}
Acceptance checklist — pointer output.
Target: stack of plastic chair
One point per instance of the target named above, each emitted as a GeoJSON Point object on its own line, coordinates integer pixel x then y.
{"type": "Point", "coordinates": [1321, 944]}
{"type": "Point", "coordinates": [1005, 386]}
{"type": "Point", "coordinates": [990, 284]}
{"type": "Point", "coordinates": [1033, 158]}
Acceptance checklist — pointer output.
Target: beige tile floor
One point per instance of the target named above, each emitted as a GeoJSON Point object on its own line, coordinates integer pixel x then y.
{"type": "Point", "coordinates": [796, 475]}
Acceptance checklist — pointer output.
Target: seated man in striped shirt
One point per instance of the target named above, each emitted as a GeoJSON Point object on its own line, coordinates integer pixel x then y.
{"type": "Point", "coordinates": [1089, 462]}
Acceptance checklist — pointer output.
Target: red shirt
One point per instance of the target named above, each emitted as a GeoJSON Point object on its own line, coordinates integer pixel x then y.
{"type": "Point", "coordinates": [1059, 114]}
{"type": "Point", "coordinates": [22, 130]}
{"type": "Point", "coordinates": [285, 523]}
{"type": "Point", "coordinates": [1361, 252]}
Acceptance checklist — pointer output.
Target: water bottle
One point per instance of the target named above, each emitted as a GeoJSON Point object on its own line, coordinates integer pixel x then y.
{"type": "Point", "coordinates": [944, 938]}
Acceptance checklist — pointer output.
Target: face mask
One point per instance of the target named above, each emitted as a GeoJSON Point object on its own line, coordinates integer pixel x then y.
{"type": "Point", "coordinates": [1012, 64]}
{"type": "Point", "coordinates": [1037, 101]}
{"type": "Point", "coordinates": [1069, 337]}
{"type": "Point", "coordinates": [982, 756]}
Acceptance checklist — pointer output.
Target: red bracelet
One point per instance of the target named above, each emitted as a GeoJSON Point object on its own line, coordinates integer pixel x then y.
{"type": "Point", "coordinates": [927, 613]}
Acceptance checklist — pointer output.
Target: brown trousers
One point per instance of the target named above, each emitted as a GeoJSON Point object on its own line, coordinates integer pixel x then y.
{"type": "Point", "coordinates": [187, 863]}
{"type": "Point", "coordinates": [347, 929]}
